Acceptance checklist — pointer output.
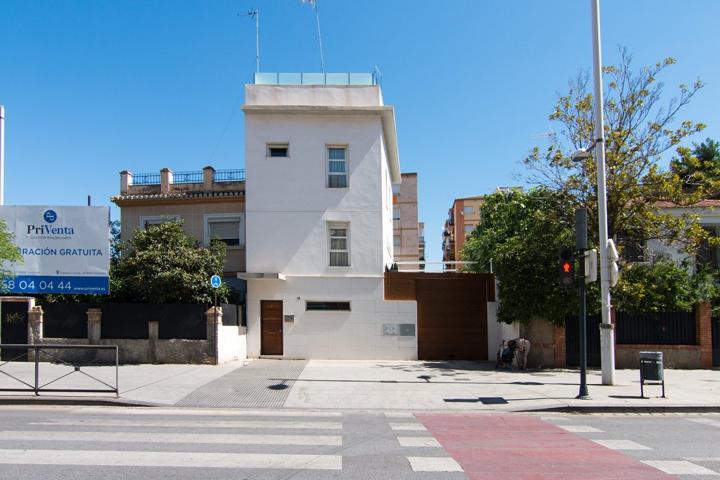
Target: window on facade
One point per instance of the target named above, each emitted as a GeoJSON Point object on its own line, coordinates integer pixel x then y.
{"type": "Point", "coordinates": [396, 213]}
{"type": "Point", "coordinates": [339, 240]}
{"type": "Point", "coordinates": [469, 229]}
{"type": "Point", "coordinates": [337, 167]}
{"type": "Point", "coordinates": [146, 222]}
{"type": "Point", "coordinates": [279, 150]}
{"type": "Point", "coordinates": [467, 210]}
{"type": "Point", "coordinates": [327, 306]}
{"type": "Point", "coordinates": [226, 228]}
{"type": "Point", "coordinates": [397, 240]}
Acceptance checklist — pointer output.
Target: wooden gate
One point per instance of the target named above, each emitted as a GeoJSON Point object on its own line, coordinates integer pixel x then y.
{"type": "Point", "coordinates": [452, 311]}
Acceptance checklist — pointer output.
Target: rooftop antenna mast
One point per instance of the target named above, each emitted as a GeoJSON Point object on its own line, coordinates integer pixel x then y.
{"type": "Point", "coordinates": [255, 15]}
{"type": "Point", "coordinates": [314, 4]}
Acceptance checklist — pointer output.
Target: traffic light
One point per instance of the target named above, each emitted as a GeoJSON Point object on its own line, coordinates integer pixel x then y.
{"type": "Point", "coordinates": [567, 268]}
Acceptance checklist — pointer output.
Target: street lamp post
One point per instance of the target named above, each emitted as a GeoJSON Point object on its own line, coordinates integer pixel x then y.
{"type": "Point", "coordinates": [607, 335]}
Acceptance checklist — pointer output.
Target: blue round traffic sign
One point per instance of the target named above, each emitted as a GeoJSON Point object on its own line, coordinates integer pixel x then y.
{"type": "Point", "coordinates": [215, 281]}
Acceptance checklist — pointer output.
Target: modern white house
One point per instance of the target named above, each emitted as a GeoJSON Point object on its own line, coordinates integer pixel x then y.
{"type": "Point", "coordinates": [321, 157]}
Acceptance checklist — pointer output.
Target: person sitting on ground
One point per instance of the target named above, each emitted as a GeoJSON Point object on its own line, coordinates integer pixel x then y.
{"type": "Point", "coordinates": [505, 354]}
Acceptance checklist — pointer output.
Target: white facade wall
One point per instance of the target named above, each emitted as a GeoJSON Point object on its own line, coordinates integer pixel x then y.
{"type": "Point", "coordinates": [357, 334]}
{"type": "Point", "coordinates": [288, 207]}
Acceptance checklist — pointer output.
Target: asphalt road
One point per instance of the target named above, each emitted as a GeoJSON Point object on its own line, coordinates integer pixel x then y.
{"type": "Point", "coordinates": [673, 443]}
{"type": "Point", "coordinates": [43, 442]}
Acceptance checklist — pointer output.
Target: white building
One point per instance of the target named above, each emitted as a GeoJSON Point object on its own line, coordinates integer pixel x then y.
{"type": "Point", "coordinates": [321, 157]}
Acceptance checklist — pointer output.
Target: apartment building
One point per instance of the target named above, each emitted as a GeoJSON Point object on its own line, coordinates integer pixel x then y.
{"type": "Point", "coordinates": [321, 155]}
{"type": "Point", "coordinates": [463, 217]}
{"type": "Point", "coordinates": [406, 228]}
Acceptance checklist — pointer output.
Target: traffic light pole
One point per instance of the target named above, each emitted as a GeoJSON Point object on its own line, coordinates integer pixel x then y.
{"type": "Point", "coordinates": [581, 246]}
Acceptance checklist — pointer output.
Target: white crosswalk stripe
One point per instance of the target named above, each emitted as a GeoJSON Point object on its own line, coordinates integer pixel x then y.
{"type": "Point", "coordinates": [706, 421]}
{"type": "Point", "coordinates": [196, 424]}
{"type": "Point", "coordinates": [407, 426]}
{"type": "Point", "coordinates": [580, 429]}
{"type": "Point", "coordinates": [161, 437]}
{"type": "Point", "coordinates": [621, 444]}
{"type": "Point", "coordinates": [197, 412]}
{"type": "Point", "coordinates": [434, 464]}
{"type": "Point", "coordinates": [679, 467]}
{"type": "Point", "coordinates": [418, 442]}
{"type": "Point", "coordinates": [171, 459]}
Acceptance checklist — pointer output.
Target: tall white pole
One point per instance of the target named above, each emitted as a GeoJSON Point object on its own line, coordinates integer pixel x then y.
{"type": "Point", "coordinates": [317, 19]}
{"type": "Point", "coordinates": [607, 335]}
{"type": "Point", "coordinates": [257, 40]}
{"type": "Point", "coordinates": [2, 155]}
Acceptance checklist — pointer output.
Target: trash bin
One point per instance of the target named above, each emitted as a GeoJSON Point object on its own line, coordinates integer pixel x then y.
{"type": "Point", "coordinates": [651, 368]}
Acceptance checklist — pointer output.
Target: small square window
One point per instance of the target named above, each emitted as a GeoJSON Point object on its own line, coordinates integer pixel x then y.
{"type": "Point", "coordinates": [228, 228]}
{"type": "Point", "coordinates": [278, 150]}
{"type": "Point", "coordinates": [397, 240]}
{"type": "Point", "coordinates": [467, 210]}
{"type": "Point", "coordinates": [469, 229]}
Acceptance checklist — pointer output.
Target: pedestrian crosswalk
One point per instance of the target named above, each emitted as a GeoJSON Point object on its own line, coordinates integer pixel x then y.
{"type": "Point", "coordinates": [305, 445]}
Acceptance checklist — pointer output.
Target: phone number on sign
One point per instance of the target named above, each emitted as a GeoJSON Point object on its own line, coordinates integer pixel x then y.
{"type": "Point", "coordinates": [40, 285]}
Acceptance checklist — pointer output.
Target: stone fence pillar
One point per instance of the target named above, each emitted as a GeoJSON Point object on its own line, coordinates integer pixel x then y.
{"type": "Point", "coordinates": [166, 180]}
{"type": "Point", "coordinates": [94, 324]}
{"type": "Point", "coordinates": [153, 333]}
{"type": "Point", "coordinates": [214, 321]}
{"type": "Point", "coordinates": [35, 329]}
{"type": "Point", "coordinates": [208, 178]}
{"type": "Point", "coordinates": [703, 331]}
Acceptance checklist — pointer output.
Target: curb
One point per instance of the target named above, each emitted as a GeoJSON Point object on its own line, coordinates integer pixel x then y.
{"type": "Point", "coordinates": [76, 401]}
{"type": "Point", "coordinates": [625, 409]}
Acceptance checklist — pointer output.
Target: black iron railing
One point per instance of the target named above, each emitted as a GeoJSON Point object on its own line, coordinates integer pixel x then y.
{"type": "Point", "coordinates": [146, 179]}
{"type": "Point", "coordinates": [53, 353]}
{"type": "Point", "coordinates": [229, 175]}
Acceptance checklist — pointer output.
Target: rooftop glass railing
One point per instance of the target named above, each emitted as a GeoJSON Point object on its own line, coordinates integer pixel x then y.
{"type": "Point", "coordinates": [262, 78]}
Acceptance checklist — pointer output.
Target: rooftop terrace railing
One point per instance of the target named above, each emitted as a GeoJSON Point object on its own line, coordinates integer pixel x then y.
{"type": "Point", "coordinates": [262, 78]}
{"type": "Point", "coordinates": [237, 175]}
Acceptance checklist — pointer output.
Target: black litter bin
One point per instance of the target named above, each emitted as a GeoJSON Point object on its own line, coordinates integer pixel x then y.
{"type": "Point", "coordinates": [651, 369]}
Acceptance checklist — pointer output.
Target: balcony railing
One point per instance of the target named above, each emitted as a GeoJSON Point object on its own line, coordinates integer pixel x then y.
{"type": "Point", "coordinates": [146, 179]}
{"type": "Point", "coordinates": [237, 175]}
{"type": "Point", "coordinates": [315, 79]}
{"type": "Point", "coordinates": [229, 175]}
{"type": "Point", "coordinates": [422, 266]}
{"type": "Point", "coordinates": [188, 177]}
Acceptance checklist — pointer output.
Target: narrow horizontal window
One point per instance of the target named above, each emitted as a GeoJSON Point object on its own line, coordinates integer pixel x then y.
{"type": "Point", "coordinates": [327, 306]}
{"type": "Point", "coordinates": [278, 150]}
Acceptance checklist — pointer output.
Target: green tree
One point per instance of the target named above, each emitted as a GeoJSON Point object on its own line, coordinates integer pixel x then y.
{"type": "Point", "coordinates": [640, 129]}
{"type": "Point", "coordinates": [699, 168]}
{"type": "Point", "coordinates": [662, 286]}
{"type": "Point", "coordinates": [164, 265]}
{"type": "Point", "coordinates": [521, 234]}
{"type": "Point", "coordinates": [8, 251]}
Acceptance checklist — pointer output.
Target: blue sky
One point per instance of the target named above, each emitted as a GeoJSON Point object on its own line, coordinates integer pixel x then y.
{"type": "Point", "coordinates": [92, 87]}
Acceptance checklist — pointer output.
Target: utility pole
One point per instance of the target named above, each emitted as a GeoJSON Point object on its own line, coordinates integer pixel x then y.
{"type": "Point", "coordinates": [2, 155]}
{"type": "Point", "coordinates": [607, 335]}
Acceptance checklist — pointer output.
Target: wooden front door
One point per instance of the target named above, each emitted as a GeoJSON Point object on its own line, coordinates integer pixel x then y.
{"type": "Point", "coordinates": [271, 327]}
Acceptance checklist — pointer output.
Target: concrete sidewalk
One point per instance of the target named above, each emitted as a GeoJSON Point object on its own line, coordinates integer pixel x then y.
{"type": "Point", "coordinates": [382, 385]}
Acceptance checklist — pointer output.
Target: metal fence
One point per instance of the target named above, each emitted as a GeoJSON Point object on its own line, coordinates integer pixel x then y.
{"type": "Point", "coordinates": [188, 177]}
{"type": "Point", "coordinates": [146, 179]}
{"type": "Point", "coordinates": [716, 341]}
{"type": "Point", "coordinates": [572, 341]}
{"type": "Point", "coordinates": [55, 355]}
{"type": "Point", "coordinates": [229, 175]}
{"type": "Point", "coordinates": [657, 328]}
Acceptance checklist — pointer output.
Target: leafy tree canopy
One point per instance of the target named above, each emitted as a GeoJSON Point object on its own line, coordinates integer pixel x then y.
{"type": "Point", "coordinates": [521, 234]}
{"type": "Point", "coordinates": [640, 128]}
{"type": "Point", "coordinates": [164, 265]}
{"type": "Point", "coordinates": [699, 167]}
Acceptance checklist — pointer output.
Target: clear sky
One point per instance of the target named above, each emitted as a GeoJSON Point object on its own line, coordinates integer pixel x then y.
{"type": "Point", "coordinates": [92, 87]}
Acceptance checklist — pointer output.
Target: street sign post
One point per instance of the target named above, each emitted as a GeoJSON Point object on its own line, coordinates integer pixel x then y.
{"type": "Point", "coordinates": [215, 282]}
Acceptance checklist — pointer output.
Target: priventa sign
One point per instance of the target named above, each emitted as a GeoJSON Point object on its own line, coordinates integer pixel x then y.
{"type": "Point", "coordinates": [64, 249]}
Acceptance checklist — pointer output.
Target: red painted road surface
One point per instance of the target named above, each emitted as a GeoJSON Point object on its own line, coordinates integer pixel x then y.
{"type": "Point", "coordinates": [523, 447]}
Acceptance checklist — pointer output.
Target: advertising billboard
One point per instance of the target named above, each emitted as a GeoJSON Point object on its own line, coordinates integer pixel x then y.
{"type": "Point", "coordinates": [63, 249]}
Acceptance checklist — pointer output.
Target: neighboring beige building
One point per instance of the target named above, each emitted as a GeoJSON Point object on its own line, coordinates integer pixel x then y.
{"type": "Point", "coordinates": [210, 202]}
{"type": "Point", "coordinates": [407, 246]}
{"type": "Point", "coordinates": [463, 217]}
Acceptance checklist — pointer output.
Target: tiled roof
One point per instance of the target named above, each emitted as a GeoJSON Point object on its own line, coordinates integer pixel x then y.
{"type": "Point", "coordinates": [701, 204]}
{"type": "Point", "coordinates": [178, 195]}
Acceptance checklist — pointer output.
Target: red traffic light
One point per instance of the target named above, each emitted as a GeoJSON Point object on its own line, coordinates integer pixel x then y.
{"type": "Point", "coordinates": [566, 267]}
